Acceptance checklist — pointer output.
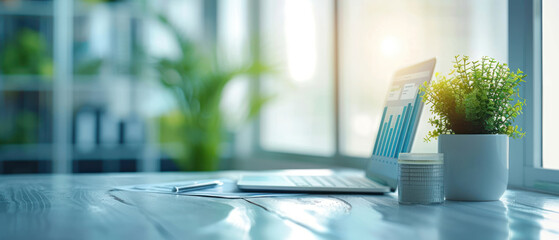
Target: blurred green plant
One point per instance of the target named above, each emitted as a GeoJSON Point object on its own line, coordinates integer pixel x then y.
{"type": "Point", "coordinates": [477, 97]}
{"type": "Point", "coordinates": [26, 54]}
{"type": "Point", "coordinates": [22, 129]}
{"type": "Point", "coordinates": [197, 81]}
{"type": "Point", "coordinates": [89, 67]}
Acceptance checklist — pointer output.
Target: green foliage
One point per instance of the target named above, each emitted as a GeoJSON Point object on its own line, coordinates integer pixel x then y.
{"type": "Point", "coordinates": [89, 67]}
{"type": "Point", "coordinates": [26, 54]}
{"type": "Point", "coordinates": [476, 97]}
{"type": "Point", "coordinates": [197, 82]}
{"type": "Point", "coordinates": [20, 129]}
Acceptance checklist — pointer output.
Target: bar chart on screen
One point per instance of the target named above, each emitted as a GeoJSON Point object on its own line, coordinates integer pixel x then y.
{"type": "Point", "coordinates": [395, 130]}
{"type": "Point", "coordinates": [398, 124]}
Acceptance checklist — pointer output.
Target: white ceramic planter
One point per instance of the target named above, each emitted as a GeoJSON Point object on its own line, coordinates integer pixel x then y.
{"type": "Point", "coordinates": [476, 166]}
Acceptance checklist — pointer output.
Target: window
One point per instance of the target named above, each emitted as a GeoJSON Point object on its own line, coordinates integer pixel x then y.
{"type": "Point", "coordinates": [374, 39]}
{"type": "Point", "coordinates": [297, 39]}
{"type": "Point", "coordinates": [532, 162]}
{"type": "Point", "coordinates": [550, 82]}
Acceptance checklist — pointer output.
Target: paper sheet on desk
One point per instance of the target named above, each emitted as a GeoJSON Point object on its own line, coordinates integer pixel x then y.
{"type": "Point", "coordinates": [228, 189]}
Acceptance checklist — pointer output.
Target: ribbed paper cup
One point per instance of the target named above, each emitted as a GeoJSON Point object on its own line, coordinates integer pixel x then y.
{"type": "Point", "coordinates": [420, 178]}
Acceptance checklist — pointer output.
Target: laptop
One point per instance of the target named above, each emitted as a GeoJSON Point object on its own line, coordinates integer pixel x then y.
{"type": "Point", "coordinates": [400, 118]}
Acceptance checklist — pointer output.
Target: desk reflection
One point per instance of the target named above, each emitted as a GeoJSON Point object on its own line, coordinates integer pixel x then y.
{"type": "Point", "coordinates": [490, 221]}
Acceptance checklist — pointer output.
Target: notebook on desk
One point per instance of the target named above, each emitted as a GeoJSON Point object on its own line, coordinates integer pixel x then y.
{"type": "Point", "coordinates": [400, 118]}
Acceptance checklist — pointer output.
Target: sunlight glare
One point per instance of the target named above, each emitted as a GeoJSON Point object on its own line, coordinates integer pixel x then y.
{"type": "Point", "coordinates": [300, 36]}
{"type": "Point", "coordinates": [390, 46]}
{"type": "Point", "coordinates": [362, 124]}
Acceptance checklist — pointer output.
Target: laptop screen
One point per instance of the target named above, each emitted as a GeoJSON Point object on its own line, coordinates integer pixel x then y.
{"type": "Point", "coordinates": [399, 121]}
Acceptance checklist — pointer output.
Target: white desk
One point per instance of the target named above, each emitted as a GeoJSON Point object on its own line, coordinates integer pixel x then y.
{"type": "Point", "coordinates": [82, 207]}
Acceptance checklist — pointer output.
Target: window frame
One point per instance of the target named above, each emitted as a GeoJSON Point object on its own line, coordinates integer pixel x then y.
{"type": "Point", "coordinates": [525, 52]}
{"type": "Point", "coordinates": [287, 158]}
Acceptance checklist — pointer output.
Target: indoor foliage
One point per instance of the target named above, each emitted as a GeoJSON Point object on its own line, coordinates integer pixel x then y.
{"type": "Point", "coordinates": [26, 54]}
{"type": "Point", "coordinates": [197, 81]}
{"type": "Point", "coordinates": [477, 97]}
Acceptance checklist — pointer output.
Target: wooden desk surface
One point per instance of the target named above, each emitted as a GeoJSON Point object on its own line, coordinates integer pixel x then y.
{"type": "Point", "coordinates": [82, 207]}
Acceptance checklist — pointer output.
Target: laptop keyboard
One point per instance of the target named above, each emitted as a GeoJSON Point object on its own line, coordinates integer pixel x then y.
{"type": "Point", "coordinates": [332, 182]}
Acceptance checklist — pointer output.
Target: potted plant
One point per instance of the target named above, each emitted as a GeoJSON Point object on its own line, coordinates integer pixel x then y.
{"type": "Point", "coordinates": [197, 80]}
{"type": "Point", "coordinates": [474, 108]}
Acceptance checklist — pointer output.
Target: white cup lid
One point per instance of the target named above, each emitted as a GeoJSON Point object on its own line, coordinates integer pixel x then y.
{"type": "Point", "coordinates": [421, 158]}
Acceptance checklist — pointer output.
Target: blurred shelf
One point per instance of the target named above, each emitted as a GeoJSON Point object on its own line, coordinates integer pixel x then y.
{"type": "Point", "coordinates": [26, 8]}
{"type": "Point", "coordinates": [115, 152]}
{"type": "Point", "coordinates": [45, 8]}
{"type": "Point", "coordinates": [23, 152]}
{"type": "Point", "coordinates": [133, 8]}
{"type": "Point", "coordinates": [80, 83]}
{"type": "Point", "coordinates": [118, 82]}
{"type": "Point", "coordinates": [87, 83]}
{"type": "Point", "coordinates": [120, 152]}
{"type": "Point", "coordinates": [25, 83]}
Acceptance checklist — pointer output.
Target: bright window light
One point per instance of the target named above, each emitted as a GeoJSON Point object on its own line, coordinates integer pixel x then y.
{"type": "Point", "coordinates": [390, 46]}
{"type": "Point", "coordinates": [550, 36]}
{"type": "Point", "coordinates": [300, 39]}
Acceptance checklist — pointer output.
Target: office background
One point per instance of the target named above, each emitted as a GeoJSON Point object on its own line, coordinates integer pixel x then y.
{"type": "Point", "coordinates": [80, 91]}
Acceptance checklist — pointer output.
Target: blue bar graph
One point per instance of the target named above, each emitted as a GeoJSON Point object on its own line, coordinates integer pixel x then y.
{"type": "Point", "coordinates": [387, 145]}
{"type": "Point", "coordinates": [392, 140]}
{"type": "Point", "coordinates": [390, 137]}
{"type": "Point", "coordinates": [385, 135]}
{"type": "Point", "coordinates": [375, 148]}
{"type": "Point", "coordinates": [384, 128]}
{"type": "Point", "coordinates": [393, 137]}
{"type": "Point", "coordinates": [400, 118]}
{"type": "Point", "coordinates": [409, 130]}
{"type": "Point", "coordinates": [405, 126]}
{"type": "Point", "coordinates": [394, 148]}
